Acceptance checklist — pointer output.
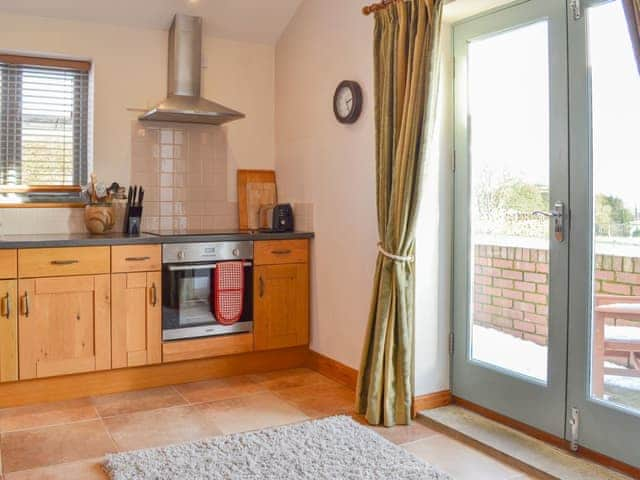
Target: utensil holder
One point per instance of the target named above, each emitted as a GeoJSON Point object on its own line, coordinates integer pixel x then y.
{"type": "Point", "coordinates": [133, 219]}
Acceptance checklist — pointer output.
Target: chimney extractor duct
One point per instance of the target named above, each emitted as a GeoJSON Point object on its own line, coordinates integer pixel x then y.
{"type": "Point", "coordinates": [184, 103]}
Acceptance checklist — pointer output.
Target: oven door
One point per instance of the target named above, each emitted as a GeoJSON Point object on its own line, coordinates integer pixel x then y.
{"type": "Point", "coordinates": [187, 302]}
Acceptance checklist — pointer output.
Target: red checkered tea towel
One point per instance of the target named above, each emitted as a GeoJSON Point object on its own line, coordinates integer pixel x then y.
{"type": "Point", "coordinates": [229, 291]}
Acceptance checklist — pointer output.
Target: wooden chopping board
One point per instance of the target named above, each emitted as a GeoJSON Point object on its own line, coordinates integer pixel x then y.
{"type": "Point", "coordinates": [255, 188]}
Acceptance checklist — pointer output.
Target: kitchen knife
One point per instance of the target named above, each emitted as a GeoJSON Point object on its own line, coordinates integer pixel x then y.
{"type": "Point", "coordinates": [140, 197]}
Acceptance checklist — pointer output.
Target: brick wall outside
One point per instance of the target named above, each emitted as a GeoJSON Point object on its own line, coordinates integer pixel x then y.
{"type": "Point", "coordinates": [511, 287]}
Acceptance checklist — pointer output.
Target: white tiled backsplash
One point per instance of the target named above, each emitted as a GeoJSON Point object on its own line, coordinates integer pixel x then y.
{"type": "Point", "coordinates": [18, 221]}
{"type": "Point", "coordinates": [184, 173]}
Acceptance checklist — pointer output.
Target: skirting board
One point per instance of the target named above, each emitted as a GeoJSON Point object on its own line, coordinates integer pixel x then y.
{"type": "Point", "coordinates": [431, 400]}
{"type": "Point", "coordinates": [126, 379]}
{"type": "Point", "coordinates": [349, 376]}
{"type": "Point", "coordinates": [333, 369]}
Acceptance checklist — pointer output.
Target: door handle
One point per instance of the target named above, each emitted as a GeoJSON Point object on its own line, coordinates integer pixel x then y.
{"type": "Point", "coordinates": [7, 305]}
{"type": "Point", "coordinates": [261, 290]}
{"type": "Point", "coordinates": [25, 304]}
{"type": "Point", "coordinates": [154, 295]}
{"type": "Point", "coordinates": [557, 213]}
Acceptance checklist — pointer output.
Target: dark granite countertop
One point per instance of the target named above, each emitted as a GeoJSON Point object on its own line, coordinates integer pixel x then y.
{"type": "Point", "coordinates": [86, 240]}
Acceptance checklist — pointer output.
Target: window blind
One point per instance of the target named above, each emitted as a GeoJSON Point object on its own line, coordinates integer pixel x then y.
{"type": "Point", "coordinates": [43, 124]}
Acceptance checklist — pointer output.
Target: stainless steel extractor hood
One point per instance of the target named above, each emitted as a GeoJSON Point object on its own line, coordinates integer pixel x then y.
{"type": "Point", "coordinates": [184, 103]}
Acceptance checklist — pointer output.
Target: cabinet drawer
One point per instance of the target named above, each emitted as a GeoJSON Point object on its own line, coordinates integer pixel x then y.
{"type": "Point", "coordinates": [54, 262]}
{"type": "Point", "coordinates": [274, 252]}
{"type": "Point", "coordinates": [177, 351]}
{"type": "Point", "coordinates": [8, 263]}
{"type": "Point", "coordinates": [136, 258]}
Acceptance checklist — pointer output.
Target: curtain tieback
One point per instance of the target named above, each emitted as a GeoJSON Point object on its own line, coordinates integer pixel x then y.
{"type": "Point", "coordinates": [397, 258]}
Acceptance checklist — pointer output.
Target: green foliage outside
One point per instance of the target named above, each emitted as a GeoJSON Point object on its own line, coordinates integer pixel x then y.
{"type": "Point", "coordinates": [506, 209]}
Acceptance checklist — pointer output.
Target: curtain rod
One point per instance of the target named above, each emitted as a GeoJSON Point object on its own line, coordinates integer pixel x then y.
{"type": "Point", "coordinates": [374, 7]}
{"type": "Point", "coordinates": [378, 6]}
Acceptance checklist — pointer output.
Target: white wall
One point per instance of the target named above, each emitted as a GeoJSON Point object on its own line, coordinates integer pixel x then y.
{"type": "Point", "coordinates": [332, 166]}
{"type": "Point", "coordinates": [130, 70]}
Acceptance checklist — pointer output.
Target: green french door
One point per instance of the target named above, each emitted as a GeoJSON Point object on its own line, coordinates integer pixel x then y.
{"type": "Point", "coordinates": [511, 270]}
{"type": "Point", "coordinates": [547, 220]}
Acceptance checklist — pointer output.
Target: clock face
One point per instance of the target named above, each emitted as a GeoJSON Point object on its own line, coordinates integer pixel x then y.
{"type": "Point", "coordinates": [347, 102]}
{"type": "Point", "coordinates": [344, 102]}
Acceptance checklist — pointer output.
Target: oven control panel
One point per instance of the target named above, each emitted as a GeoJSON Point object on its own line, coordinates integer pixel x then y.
{"type": "Point", "coordinates": [206, 251]}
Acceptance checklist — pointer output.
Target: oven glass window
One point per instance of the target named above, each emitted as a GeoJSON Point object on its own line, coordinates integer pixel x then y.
{"type": "Point", "coordinates": [194, 298]}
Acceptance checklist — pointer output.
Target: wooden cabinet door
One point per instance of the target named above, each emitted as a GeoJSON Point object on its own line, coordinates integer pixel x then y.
{"type": "Point", "coordinates": [64, 325]}
{"type": "Point", "coordinates": [136, 321]}
{"type": "Point", "coordinates": [281, 306]}
{"type": "Point", "coordinates": [8, 331]}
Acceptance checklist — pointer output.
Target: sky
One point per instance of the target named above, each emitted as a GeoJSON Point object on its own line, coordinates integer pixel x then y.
{"type": "Point", "coordinates": [509, 104]}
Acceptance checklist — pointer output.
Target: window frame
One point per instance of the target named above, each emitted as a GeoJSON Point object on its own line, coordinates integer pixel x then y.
{"type": "Point", "coordinates": [61, 195]}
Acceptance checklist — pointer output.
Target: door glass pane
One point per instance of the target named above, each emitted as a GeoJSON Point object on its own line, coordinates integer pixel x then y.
{"type": "Point", "coordinates": [615, 105]}
{"type": "Point", "coordinates": [509, 157]}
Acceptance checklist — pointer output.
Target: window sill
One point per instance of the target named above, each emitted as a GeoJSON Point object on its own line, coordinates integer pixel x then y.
{"type": "Point", "coordinates": [42, 205]}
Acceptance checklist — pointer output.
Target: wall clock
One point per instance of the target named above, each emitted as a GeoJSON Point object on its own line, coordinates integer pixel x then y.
{"type": "Point", "coordinates": [347, 101]}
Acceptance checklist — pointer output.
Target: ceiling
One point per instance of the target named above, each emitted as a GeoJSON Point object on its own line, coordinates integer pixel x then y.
{"type": "Point", "coordinates": [260, 21]}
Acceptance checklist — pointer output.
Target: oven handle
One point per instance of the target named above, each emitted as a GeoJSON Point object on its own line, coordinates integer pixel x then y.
{"type": "Point", "coordinates": [209, 266]}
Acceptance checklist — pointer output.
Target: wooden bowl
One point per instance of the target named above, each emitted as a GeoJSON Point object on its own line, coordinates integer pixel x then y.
{"type": "Point", "coordinates": [99, 219]}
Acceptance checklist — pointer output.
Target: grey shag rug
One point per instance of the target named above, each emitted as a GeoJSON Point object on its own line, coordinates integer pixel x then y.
{"type": "Point", "coordinates": [332, 448]}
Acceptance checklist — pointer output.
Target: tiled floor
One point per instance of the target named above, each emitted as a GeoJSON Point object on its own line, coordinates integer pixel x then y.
{"type": "Point", "coordinates": [67, 440]}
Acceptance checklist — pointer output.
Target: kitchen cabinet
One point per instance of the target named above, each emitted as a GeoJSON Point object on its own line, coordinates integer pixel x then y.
{"type": "Point", "coordinates": [136, 320]}
{"type": "Point", "coordinates": [8, 331]}
{"type": "Point", "coordinates": [64, 325]}
{"type": "Point", "coordinates": [281, 294]}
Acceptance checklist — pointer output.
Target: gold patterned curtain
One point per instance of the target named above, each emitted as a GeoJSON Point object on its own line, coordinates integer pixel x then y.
{"type": "Point", "coordinates": [632, 10]}
{"type": "Point", "coordinates": [405, 45]}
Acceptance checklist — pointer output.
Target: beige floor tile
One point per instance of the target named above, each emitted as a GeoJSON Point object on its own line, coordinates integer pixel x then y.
{"type": "Point", "coordinates": [84, 470]}
{"type": "Point", "coordinates": [219, 389]}
{"type": "Point", "coordinates": [251, 412]}
{"type": "Point", "coordinates": [46, 414]}
{"type": "Point", "coordinates": [321, 399]}
{"type": "Point", "coordinates": [400, 434]}
{"type": "Point", "coordinates": [159, 427]}
{"type": "Point", "coordinates": [297, 377]}
{"type": "Point", "coordinates": [28, 449]}
{"type": "Point", "coordinates": [459, 460]}
{"type": "Point", "coordinates": [137, 401]}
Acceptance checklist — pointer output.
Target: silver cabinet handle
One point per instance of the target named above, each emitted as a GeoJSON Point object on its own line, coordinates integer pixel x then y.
{"type": "Point", "coordinates": [25, 308]}
{"type": "Point", "coordinates": [261, 289]}
{"type": "Point", "coordinates": [7, 305]}
{"type": "Point", "coordinates": [154, 295]}
{"type": "Point", "coordinates": [137, 259]}
{"type": "Point", "coordinates": [64, 262]}
{"type": "Point", "coordinates": [558, 216]}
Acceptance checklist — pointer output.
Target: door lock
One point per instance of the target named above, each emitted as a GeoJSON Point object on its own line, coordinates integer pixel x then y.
{"type": "Point", "coordinates": [558, 216]}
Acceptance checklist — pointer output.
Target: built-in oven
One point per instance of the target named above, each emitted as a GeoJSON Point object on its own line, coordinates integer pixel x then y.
{"type": "Point", "coordinates": [188, 289]}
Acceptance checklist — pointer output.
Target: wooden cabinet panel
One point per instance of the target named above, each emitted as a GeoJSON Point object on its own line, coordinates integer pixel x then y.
{"type": "Point", "coordinates": [136, 258]}
{"type": "Point", "coordinates": [207, 347]}
{"type": "Point", "coordinates": [281, 306]}
{"type": "Point", "coordinates": [8, 263]}
{"type": "Point", "coordinates": [275, 252]}
{"type": "Point", "coordinates": [8, 331]}
{"type": "Point", "coordinates": [57, 262]}
{"type": "Point", "coordinates": [64, 325]}
{"type": "Point", "coordinates": [136, 323]}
